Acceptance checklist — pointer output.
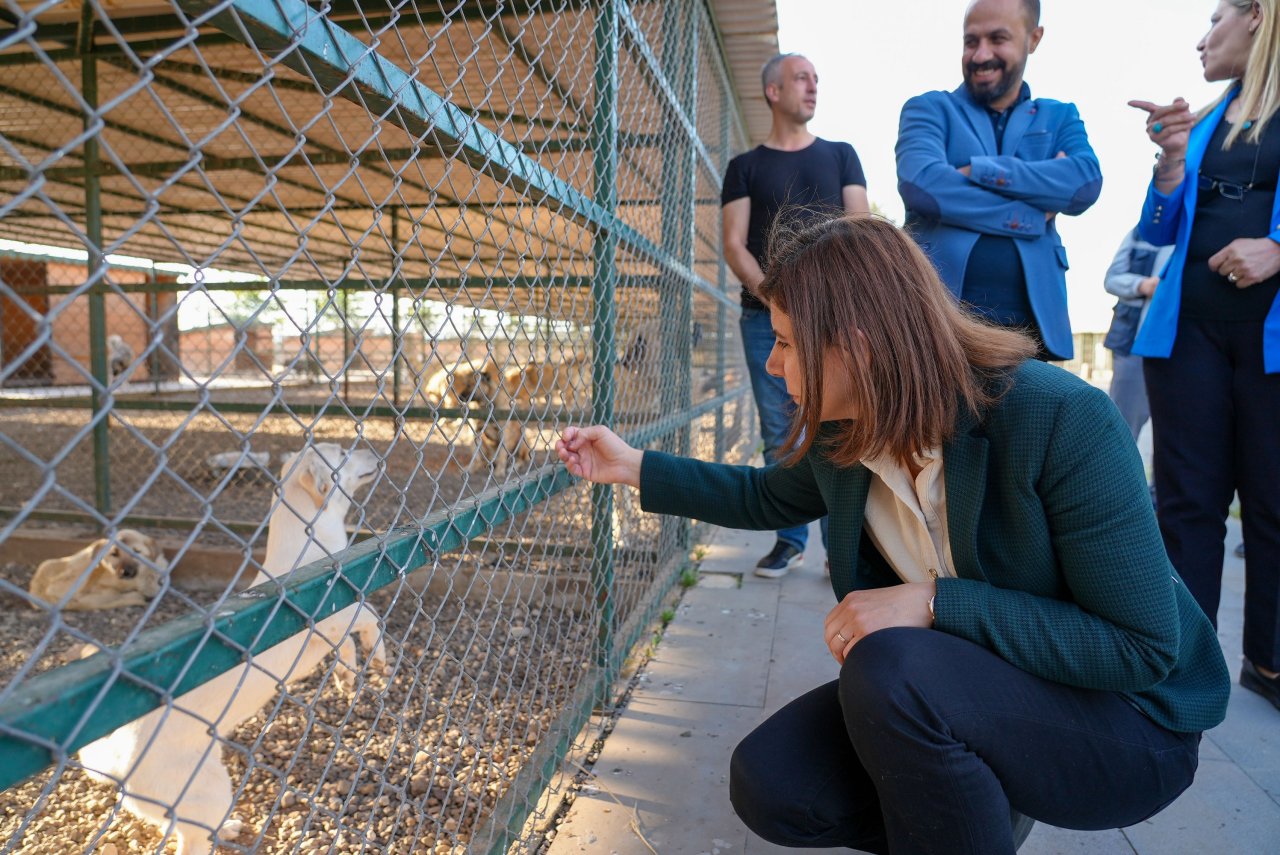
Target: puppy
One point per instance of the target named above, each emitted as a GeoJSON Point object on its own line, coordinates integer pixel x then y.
{"type": "Point", "coordinates": [106, 574]}
{"type": "Point", "coordinates": [556, 384]}
{"type": "Point", "coordinates": [168, 764]}
{"type": "Point", "coordinates": [119, 354]}
{"type": "Point", "coordinates": [488, 388]}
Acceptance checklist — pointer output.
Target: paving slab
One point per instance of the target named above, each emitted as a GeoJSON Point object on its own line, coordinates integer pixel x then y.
{"type": "Point", "coordinates": [663, 774]}
{"type": "Point", "coordinates": [712, 651]}
{"type": "Point", "coordinates": [800, 661]}
{"type": "Point", "coordinates": [1223, 812]}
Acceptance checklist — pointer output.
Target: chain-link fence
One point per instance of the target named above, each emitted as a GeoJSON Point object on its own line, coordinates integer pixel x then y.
{"type": "Point", "coordinates": [294, 299]}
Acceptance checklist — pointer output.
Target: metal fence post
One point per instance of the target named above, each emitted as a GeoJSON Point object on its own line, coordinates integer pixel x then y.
{"type": "Point", "coordinates": [722, 282]}
{"type": "Point", "coordinates": [679, 164]}
{"type": "Point", "coordinates": [100, 400]}
{"type": "Point", "coordinates": [604, 146]}
{"type": "Point", "coordinates": [397, 334]}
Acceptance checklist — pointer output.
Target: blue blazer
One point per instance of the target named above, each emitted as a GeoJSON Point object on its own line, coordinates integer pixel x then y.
{"type": "Point", "coordinates": [1169, 219]}
{"type": "Point", "coordinates": [1007, 192]}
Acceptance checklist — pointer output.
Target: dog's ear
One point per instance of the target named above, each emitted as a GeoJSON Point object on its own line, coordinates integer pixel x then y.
{"type": "Point", "coordinates": [137, 542]}
{"type": "Point", "coordinates": [100, 548]}
{"type": "Point", "coordinates": [316, 477]}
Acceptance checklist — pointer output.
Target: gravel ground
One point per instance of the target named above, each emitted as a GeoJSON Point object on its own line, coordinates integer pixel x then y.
{"type": "Point", "coordinates": [407, 764]}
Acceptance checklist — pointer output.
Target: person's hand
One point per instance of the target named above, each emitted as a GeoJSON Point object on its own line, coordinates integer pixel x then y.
{"type": "Point", "coordinates": [965, 170]}
{"type": "Point", "coordinates": [861, 613]}
{"type": "Point", "coordinates": [1147, 286]}
{"type": "Point", "coordinates": [598, 454]}
{"type": "Point", "coordinates": [1168, 125]}
{"type": "Point", "coordinates": [1247, 261]}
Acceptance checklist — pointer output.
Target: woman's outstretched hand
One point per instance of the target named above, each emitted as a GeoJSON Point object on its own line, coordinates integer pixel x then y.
{"type": "Point", "coordinates": [598, 454]}
{"type": "Point", "coordinates": [1168, 125]}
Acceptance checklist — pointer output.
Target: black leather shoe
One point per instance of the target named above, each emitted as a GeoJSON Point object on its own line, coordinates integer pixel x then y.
{"type": "Point", "coordinates": [1251, 678]}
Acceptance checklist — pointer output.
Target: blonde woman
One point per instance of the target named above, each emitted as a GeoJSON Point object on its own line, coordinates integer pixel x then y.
{"type": "Point", "coordinates": [1211, 339]}
{"type": "Point", "coordinates": [1012, 640]}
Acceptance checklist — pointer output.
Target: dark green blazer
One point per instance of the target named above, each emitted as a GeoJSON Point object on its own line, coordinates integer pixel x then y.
{"type": "Point", "coordinates": [1060, 566]}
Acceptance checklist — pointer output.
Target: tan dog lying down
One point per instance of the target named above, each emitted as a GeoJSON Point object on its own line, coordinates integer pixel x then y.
{"type": "Point", "coordinates": [106, 574]}
{"type": "Point", "coordinates": [167, 759]}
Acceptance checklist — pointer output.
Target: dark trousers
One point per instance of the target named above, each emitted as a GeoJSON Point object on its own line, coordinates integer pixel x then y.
{"type": "Point", "coordinates": [927, 741]}
{"type": "Point", "coordinates": [1215, 419]}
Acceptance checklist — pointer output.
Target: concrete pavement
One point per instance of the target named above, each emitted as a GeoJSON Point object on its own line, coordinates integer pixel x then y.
{"type": "Point", "coordinates": [741, 647]}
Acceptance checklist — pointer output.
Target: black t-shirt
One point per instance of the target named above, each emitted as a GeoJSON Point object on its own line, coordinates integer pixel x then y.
{"type": "Point", "coordinates": [809, 183]}
{"type": "Point", "coordinates": [1219, 220]}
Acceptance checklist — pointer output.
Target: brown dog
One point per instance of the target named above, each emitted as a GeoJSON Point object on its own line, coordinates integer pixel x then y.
{"type": "Point", "coordinates": [103, 575]}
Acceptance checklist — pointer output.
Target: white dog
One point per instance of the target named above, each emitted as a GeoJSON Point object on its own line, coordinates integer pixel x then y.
{"type": "Point", "coordinates": [119, 355]}
{"type": "Point", "coordinates": [126, 570]}
{"type": "Point", "coordinates": [168, 766]}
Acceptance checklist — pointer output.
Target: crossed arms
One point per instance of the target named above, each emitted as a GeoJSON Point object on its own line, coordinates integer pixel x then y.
{"type": "Point", "coordinates": [992, 194]}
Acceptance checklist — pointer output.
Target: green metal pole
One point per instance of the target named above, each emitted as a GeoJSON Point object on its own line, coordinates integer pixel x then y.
{"type": "Point", "coordinates": [346, 345]}
{"type": "Point", "coordinates": [604, 246]}
{"type": "Point", "coordinates": [397, 334]}
{"type": "Point", "coordinates": [96, 265]}
{"type": "Point", "coordinates": [153, 321]}
{"type": "Point", "coordinates": [679, 66]}
{"type": "Point", "coordinates": [722, 282]}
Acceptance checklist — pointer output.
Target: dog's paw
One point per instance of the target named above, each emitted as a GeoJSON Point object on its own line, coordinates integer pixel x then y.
{"type": "Point", "coordinates": [232, 828]}
{"type": "Point", "coordinates": [378, 660]}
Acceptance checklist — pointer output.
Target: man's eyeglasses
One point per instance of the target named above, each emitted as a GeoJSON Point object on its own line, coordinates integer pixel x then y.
{"type": "Point", "coordinates": [1226, 189]}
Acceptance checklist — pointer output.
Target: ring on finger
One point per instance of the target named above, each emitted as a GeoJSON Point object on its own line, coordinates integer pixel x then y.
{"type": "Point", "coordinates": [842, 638]}
{"type": "Point", "coordinates": [1157, 128]}
{"type": "Point", "coordinates": [1232, 277]}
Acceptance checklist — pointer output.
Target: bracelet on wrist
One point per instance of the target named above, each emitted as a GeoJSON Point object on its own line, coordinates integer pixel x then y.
{"type": "Point", "coordinates": [1173, 161]}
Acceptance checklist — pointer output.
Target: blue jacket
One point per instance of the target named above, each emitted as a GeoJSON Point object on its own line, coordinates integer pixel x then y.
{"type": "Point", "coordinates": [1059, 565]}
{"type": "Point", "coordinates": [1005, 194]}
{"type": "Point", "coordinates": [1169, 219]}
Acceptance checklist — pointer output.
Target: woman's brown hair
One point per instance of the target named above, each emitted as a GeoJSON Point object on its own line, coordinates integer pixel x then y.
{"type": "Point", "coordinates": [859, 286]}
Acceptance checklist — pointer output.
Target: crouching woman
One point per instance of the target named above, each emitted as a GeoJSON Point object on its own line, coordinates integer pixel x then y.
{"type": "Point", "coordinates": [1012, 640]}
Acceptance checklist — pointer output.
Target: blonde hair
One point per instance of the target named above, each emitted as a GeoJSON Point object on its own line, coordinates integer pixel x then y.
{"type": "Point", "coordinates": [1260, 86]}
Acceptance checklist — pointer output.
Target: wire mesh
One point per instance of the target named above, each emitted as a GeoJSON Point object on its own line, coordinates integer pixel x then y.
{"type": "Point", "coordinates": [294, 299]}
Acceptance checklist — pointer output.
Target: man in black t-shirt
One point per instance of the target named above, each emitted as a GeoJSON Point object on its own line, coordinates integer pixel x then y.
{"type": "Point", "coordinates": [807, 177]}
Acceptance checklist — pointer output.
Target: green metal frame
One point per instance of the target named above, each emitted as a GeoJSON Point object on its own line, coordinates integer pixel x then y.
{"type": "Point", "coordinates": [60, 711]}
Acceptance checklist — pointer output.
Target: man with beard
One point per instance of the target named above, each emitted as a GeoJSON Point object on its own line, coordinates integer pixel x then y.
{"type": "Point", "coordinates": [984, 170]}
{"type": "Point", "coordinates": [803, 177]}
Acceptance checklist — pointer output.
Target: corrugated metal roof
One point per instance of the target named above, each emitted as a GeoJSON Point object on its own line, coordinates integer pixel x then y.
{"type": "Point", "coordinates": [749, 30]}
{"type": "Point", "coordinates": [216, 154]}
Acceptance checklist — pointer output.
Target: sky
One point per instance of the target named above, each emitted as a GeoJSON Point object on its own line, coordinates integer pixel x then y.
{"type": "Point", "coordinates": [873, 56]}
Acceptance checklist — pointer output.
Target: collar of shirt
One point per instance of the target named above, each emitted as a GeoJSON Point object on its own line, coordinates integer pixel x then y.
{"type": "Point", "coordinates": [906, 517]}
{"type": "Point", "coordinates": [1000, 120]}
